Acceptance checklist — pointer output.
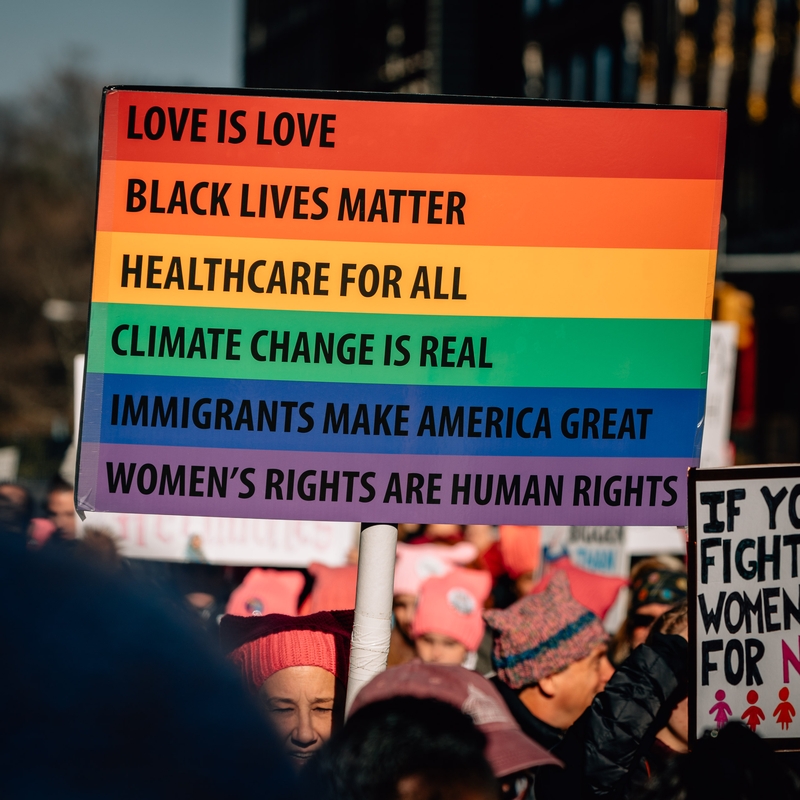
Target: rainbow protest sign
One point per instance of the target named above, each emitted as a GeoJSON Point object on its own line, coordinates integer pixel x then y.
{"type": "Point", "coordinates": [385, 308]}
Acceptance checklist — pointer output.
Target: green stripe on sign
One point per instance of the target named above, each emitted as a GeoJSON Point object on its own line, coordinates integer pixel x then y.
{"type": "Point", "coordinates": [551, 352]}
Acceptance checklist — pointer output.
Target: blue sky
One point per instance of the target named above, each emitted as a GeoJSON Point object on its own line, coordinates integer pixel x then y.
{"type": "Point", "coordinates": [180, 42]}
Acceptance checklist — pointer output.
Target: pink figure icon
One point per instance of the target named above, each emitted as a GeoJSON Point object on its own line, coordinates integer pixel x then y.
{"type": "Point", "coordinates": [722, 708]}
{"type": "Point", "coordinates": [784, 710]}
{"type": "Point", "coordinates": [753, 715]}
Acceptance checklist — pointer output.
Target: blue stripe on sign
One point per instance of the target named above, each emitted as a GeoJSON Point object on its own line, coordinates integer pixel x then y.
{"type": "Point", "coordinates": [548, 644]}
{"type": "Point", "coordinates": [446, 420]}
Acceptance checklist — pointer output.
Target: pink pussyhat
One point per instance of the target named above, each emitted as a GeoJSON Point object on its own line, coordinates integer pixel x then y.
{"type": "Point", "coordinates": [452, 605]}
{"type": "Point", "coordinates": [262, 646]}
{"type": "Point", "coordinates": [597, 592]}
{"type": "Point", "coordinates": [418, 562]}
{"type": "Point", "coordinates": [266, 591]}
{"type": "Point", "coordinates": [520, 546]}
{"type": "Point", "coordinates": [334, 588]}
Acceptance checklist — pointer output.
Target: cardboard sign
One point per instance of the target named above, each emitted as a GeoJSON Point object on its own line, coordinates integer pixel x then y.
{"type": "Point", "coordinates": [216, 540]}
{"type": "Point", "coordinates": [317, 306]}
{"type": "Point", "coordinates": [744, 529]}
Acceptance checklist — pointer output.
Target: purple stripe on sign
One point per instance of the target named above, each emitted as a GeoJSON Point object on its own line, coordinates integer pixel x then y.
{"type": "Point", "coordinates": [218, 482]}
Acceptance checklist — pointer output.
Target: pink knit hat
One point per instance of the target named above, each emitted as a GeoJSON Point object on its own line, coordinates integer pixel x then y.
{"type": "Point", "coordinates": [266, 591]}
{"type": "Point", "coordinates": [520, 546]}
{"type": "Point", "coordinates": [418, 562]}
{"type": "Point", "coordinates": [262, 646]}
{"type": "Point", "coordinates": [452, 604]}
{"type": "Point", "coordinates": [542, 634]}
{"type": "Point", "coordinates": [334, 588]}
{"type": "Point", "coordinates": [597, 592]}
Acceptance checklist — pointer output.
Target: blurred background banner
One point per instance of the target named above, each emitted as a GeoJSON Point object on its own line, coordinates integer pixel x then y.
{"type": "Point", "coordinates": [235, 542]}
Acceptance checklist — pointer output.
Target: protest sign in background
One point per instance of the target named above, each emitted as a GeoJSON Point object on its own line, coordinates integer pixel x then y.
{"type": "Point", "coordinates": [717, 450]}
{"type": "Point", "coordinates": [374, 308]}
{"type": "Point", "coordinates": [217, 540]}
{"type": "Point", "coordinates": [744, 529]}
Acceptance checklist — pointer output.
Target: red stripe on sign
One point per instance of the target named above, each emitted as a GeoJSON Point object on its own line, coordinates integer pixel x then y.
{"type": "Point", "coordinates": [397, 136]}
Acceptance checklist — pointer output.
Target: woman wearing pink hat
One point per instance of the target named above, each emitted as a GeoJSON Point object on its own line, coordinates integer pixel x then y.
{"type": "Point", "coordinates": [448, 623]}
{"type": "Point", "coordinates": [416, 563]}
{"type": "Point", "coordinates": [297, 669]}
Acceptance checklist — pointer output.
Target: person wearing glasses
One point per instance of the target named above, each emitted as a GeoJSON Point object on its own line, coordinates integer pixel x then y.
{"type": "Point", "coordinates": [657, 585]}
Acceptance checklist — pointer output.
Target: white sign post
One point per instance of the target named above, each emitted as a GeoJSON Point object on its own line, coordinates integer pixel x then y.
{"type": "Point", "coordinates": [744, 533]}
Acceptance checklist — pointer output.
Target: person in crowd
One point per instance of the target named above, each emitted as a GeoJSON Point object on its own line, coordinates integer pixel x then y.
{"type": "Point", "coordinates": [550, 659]}
{"type": "Point", "coordinates": [656, 585]}
{"type": "Point", "coordinates": [731, 763]}
{"type": "Point", "coordinates": [18, 496]}
{"type": "Point", "coordinates": [415, 564]}
{"type": "Point", "coordinates": [448, 623]}
{"type": "Point", "coordinates": [296, 667]}
{"type": "Point", "coordinates": [98, 547]}
{"type": "Point", "coordinates": [634, 727]}
{"type": "Point", "coordinates": [61, 512]}
{"type": "Point", "coordinates": [203, 589]}
{"type": "Point", "coordinates": [511, 755]}
{"type": "Point", "coordinates": [108, 691]}
{"type": "Point", "coordinates": [403, 748]}
{"type": "Point", "coordinates": [14, 520]}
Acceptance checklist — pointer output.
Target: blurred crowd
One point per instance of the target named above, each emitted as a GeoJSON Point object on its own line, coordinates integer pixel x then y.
{"type": "Point", "coordinates": [129, 679]}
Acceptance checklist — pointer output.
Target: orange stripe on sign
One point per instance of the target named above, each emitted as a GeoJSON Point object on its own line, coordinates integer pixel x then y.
{"type": "Point", "coordinates": [414, 136]}
{"type": "Point", "coordinates": [401, 207]}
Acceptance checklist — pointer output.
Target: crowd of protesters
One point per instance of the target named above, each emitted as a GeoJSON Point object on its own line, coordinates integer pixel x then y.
{"type": "Point", "coordinates": [502, 681]}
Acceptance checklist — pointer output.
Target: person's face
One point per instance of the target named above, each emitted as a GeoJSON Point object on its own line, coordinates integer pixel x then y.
{"type": "Point", "coordinates": [403, 608]}
{"type": "Point", "coordinates": [573, 689]}
{"type": "Point", "coordinates": [436, 648]}
{"type": "Point", "coordinates": [61, 510]}
{"type": "Point", "coordinates": [301, 703]}
{"type": "Point", "coordinates": [643, 621]}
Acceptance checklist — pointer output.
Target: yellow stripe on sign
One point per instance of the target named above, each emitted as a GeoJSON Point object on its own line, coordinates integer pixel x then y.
{"type": "Point", "coordinates": [364, 277]}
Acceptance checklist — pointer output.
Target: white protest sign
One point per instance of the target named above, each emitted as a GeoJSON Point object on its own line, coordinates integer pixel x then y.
{"type": "Point", "coordinates": [598, 548]}
{"type": "Point", "coordinates": [744, 529]}
{"type": "Point", "coordinates": [716, 450]}
{"type": "Point", "coordinates": [219, 540]}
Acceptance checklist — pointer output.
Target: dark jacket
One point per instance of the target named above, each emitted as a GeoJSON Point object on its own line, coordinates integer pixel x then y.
{"type": "Point", "coordinates": [605, 751]}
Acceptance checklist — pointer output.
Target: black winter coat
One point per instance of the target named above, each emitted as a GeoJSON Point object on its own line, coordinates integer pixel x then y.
{"type": "Point", "coordinates": [605, 751]}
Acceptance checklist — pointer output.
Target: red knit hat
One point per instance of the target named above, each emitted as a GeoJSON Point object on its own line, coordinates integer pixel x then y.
{"type": "Point", "coordinates": [452, 605]}
{"type": "Point", "coordinates": [262, 646]}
